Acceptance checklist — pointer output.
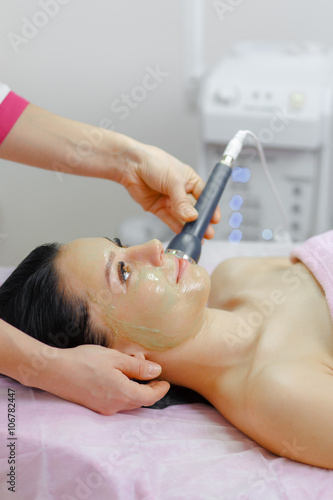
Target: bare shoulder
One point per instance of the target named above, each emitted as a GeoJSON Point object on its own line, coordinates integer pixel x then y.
{"type": "Point", "coordinates": [228, 277]}
{"type": "Point", "coordinates": [288, 410]}
{"type": "Point", "coordinates": [233, 264]}
{"type": "Point", "coordinates": [234, 274]}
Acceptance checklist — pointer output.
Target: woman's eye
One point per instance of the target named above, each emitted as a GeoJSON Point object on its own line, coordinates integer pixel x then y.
{"type": "Point", "coordinates": [123, 271]}
{"type": "Point", "coordinates": [118, 243]}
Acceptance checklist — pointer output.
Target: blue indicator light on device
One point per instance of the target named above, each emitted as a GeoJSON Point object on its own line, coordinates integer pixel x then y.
{"type": "Point", "coordinates": [267, 234]}
{"type": "Point", "coordinates": [236, 202]}
{"type": "Point", "coordinates": [241, 174]}
{"type": "Point", "coordinates": [235, 236]}
{"type": "Point", "coordinates": [235, 220]}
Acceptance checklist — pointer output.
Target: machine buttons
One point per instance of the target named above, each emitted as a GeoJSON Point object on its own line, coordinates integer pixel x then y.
{"type": "Point", "coordinates": [267, 95]}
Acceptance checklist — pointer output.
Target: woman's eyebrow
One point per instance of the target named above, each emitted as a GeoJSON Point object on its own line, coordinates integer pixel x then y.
{"type": "Point", "coordinates": [108, 266]}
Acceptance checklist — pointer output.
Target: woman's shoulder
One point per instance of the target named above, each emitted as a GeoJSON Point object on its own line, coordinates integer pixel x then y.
{"type": "Point", "coordinates": [237, 273]}
{"type": "Point", "coordinates": [285, 410]}
{"type": "Point", "coordinates": [241, 266]}
{"type": "Point", "coordinates": [229, 277]}
{"type": "Point", "coordinates": [234, 265]}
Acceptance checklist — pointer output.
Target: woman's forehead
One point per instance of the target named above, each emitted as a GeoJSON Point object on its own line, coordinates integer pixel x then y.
{"type": "Point", "coordinates": [86, 246]}
{"type": "Point", "coordinates": [79, 254]}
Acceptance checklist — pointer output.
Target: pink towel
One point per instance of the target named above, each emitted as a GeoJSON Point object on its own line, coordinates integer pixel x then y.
{"type": "Point", "coordinates": [11, 109]}
{"type": "Point", "coordinates": [317, 254]}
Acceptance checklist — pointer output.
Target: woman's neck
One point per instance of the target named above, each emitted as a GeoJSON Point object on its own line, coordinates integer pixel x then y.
{"type": "Point", "coordinates": [201, 359]}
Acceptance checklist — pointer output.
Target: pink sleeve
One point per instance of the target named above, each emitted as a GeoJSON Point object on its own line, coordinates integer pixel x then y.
{"type": "Point", "coordinates": [11, 109]}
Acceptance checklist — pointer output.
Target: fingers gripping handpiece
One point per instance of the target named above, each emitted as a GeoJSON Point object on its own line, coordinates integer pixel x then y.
{"type": "Point", "coordinates": [187, 244]}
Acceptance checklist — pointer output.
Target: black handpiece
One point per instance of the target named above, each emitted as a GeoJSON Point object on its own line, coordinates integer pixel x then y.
{"type": "Point", "coordinates": [187, 244]}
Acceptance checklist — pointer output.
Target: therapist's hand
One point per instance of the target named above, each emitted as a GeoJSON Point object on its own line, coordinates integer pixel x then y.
{"type": "Point", "coordinates": [99, 378]}
{"type": "Point", "coordinates": [165, 186]}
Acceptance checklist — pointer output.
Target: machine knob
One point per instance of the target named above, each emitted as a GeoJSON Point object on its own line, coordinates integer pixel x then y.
{"type": "Point", "coordinates": [227, 94]}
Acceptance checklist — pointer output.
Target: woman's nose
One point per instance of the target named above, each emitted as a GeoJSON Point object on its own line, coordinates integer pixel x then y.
{"type": "Point", "coordinates": [151, 252]}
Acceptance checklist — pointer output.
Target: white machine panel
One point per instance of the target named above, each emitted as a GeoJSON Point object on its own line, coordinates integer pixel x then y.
{"type": "Point", "coordinates": [282, 93]}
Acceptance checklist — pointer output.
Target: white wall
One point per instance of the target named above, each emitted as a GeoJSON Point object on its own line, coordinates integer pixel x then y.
{"type": "Point", "coordinates": [81, 61]}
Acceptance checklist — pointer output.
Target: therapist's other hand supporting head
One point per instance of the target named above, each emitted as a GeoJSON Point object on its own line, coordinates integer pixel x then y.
{"type": "Point", "coordinates": [90, 375]}
{"type": "Point", "coordinates": [100, 379]}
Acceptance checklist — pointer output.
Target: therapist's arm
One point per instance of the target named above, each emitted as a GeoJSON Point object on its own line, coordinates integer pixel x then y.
{"type": "Point", "coordinates": [90, 375]}
{"type": "Point", "coordinates": [158, 181]}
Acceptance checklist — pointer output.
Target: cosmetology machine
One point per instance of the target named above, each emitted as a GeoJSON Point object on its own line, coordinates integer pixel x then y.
{"type": "Point", "coordinates": [282, 93]}
{"type": "Point", "coordinates": [187, 244]}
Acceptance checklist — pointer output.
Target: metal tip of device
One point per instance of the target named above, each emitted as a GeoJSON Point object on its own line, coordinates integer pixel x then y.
{"type": "Point", "coordinates": [227, 160]}
{"type": "Point", "coordinates": [180, 255]}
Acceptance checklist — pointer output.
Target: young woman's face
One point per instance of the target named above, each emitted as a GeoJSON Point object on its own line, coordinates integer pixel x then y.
{"type": "Point", "coordinates": [142, 295]}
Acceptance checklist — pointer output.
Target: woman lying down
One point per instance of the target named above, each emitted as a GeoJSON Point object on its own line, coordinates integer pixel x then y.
{"type": "Point", "coordinates": [261, 352]}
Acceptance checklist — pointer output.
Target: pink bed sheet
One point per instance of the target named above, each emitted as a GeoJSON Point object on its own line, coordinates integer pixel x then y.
{"type": "Point", "coordinates": [63, 451]}
{"type": "Point", "coordinates": [187, 452]}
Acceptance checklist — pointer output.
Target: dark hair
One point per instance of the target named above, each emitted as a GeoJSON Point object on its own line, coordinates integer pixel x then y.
{"type": "Point", "coordinates": [34, 300]}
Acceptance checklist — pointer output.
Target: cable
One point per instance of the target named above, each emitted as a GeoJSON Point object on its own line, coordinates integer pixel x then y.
{"type": "Point", "coordinates": [241, 137]}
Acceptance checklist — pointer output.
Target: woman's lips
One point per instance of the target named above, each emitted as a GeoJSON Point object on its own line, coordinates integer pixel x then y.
{"type": "Point", "coordinates": [182, 265]}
